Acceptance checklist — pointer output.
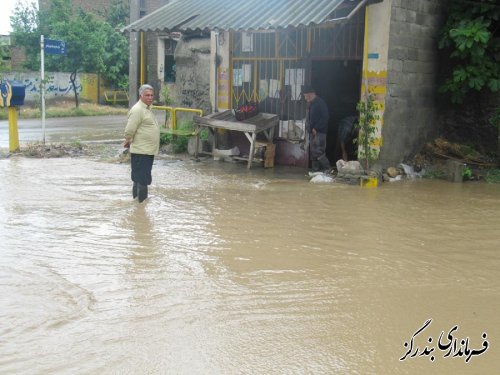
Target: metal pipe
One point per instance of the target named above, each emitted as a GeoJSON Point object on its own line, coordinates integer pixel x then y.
{"type": "Point", "coordinates": [173, 111]}
{"type": "Point", "coordinates": [338, 20]}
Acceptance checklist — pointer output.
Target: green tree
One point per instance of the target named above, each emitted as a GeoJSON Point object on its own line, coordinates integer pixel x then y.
{"type": "Point", "coordinates": [82, 53]}
{"type": "Point", "coordinates": [26, 34]}
{"type": "Point", "coordinates": [116, 57]}
{"type": "Point", "coordinates": [92, 44]}
{"type": "Point", "coordinates": [117, 15]}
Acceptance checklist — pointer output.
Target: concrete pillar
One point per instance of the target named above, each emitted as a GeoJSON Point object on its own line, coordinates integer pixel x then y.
{"type": "Point", "coordinates": [455, 170]}
{"type": "Point", "coordinates": [133, 74]}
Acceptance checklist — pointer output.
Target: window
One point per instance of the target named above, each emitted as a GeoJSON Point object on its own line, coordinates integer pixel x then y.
{"type": "Point", "coordinates": [169, 61]}
{"type": "Point", "coordinates": [142, 8]}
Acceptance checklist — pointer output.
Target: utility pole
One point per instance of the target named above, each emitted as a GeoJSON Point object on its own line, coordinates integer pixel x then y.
{"type": "Point", "coordinates": [133, 74]}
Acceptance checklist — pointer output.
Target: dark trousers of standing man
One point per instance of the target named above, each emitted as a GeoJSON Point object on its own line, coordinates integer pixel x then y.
{"type": "Point", "coordinates": [317, 147]}
{"type": "Point", "coordinates": [141, 174]}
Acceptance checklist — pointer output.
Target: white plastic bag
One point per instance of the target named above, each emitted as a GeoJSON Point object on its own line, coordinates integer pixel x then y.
{"type": "Point", "coordinates": [321, 178]}
{"type": "Point", "coordinates": [352, 166]}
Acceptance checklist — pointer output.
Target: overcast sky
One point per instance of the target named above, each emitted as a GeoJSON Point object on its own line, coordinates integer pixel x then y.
{"type": "Point", "coordinates": [7, 7]}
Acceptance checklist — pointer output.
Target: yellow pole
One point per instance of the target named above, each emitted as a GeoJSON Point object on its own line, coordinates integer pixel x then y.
{"type": "Point", "coordinates": [13, 132]}
{"type": "Point", "coordinates": [142, 58]}
{"type": "Point", "coordinates": [309, 41]}
{"type": "Point", "coordinates": [174, 118]}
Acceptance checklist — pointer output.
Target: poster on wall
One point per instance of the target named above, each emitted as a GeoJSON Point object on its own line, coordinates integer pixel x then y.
{"type": "Point", "coordinates": [237, 77]}
{"type": "Point", "coordinates": [263, 89]}
{"type": "Point", "coordinates": [246, 42]}
{"type": "Point", "coordinates": [223, 89]}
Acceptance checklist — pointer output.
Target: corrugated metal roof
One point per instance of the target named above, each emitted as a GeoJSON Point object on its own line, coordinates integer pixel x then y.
{"type": "Point", "coordinates": [204, 15]}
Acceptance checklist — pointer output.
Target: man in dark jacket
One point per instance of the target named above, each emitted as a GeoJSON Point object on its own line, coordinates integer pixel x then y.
{"type": "Point", "coordinates": [317, 123]}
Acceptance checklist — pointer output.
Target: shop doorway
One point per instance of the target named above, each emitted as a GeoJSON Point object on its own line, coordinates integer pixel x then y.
{"type": "Point", "coordinates": [339, 84]}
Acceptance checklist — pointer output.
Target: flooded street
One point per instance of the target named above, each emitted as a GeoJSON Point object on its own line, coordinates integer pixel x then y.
{"type": "Point", "coordinates": [66, 129]}
{"type": "Point", "coordinates": [229, 271]}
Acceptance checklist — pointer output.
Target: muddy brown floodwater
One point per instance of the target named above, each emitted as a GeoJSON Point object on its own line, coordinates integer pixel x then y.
{"type": "Point", "coordinates": [229, 271]}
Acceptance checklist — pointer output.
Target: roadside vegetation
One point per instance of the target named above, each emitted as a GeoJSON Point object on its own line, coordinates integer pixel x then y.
{"type": "Point", "coordinates": [493, 176]}
{"type": "Point", "coordinates": [179, 143]}
{"type": "Point", "coordinates": [470, 40]}
{"type": "Point", "coordinates": [470, 44]}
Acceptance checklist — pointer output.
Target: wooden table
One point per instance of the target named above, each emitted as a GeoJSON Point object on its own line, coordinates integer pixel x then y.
{"type": "Point", "coordinates": [261, 123]}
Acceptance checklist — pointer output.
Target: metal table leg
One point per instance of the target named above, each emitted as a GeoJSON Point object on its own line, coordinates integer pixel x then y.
{"type": "Point", "coordinates": [198, 130]}
{"type": "Point", "coordinates": [252, 149]}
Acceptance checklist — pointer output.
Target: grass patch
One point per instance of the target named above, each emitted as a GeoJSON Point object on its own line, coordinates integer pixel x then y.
{"type": "Point", "coordinates": [66, 109]}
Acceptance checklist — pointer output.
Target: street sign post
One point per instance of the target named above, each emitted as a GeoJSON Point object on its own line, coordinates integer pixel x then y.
{"type": "Point", "coordinates": [55, 47]}
{"type": "Point", "coordinates": [52, 47]}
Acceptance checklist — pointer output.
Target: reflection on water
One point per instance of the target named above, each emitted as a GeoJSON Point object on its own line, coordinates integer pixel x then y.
{"type": "Point", "coordinates": [226, 271]}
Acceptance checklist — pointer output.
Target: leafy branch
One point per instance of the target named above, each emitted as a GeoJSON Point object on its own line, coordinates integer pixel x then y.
{"type": "Point", "coordinates": [367, 129]}
{"type": "Point", "coordinates": [469, 37]}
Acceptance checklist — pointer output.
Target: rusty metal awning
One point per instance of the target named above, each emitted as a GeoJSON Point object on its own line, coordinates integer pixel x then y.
{"type": "Point", "coordinates": [239, 15]}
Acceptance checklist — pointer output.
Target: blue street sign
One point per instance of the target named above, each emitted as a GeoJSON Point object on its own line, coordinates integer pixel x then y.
{"type": "Point", "coordinates": [55, 47]}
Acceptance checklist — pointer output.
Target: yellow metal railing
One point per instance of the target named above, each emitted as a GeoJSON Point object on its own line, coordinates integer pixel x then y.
{"type": "Point", "coordinates": [173, 113]}
{"type": "Point", "coordinates": [116, 96]}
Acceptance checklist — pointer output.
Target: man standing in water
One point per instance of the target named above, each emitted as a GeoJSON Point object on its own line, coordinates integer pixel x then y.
{"type": "Point", "coordinates": [317, 124]}
{"type": "Point", "coordinates": [142, 136]}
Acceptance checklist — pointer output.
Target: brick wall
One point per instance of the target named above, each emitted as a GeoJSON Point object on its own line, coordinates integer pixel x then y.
{"type": "Point", "coordinates": [152, 5]}
{"type": "Point", "coordinates": [410, 117]}
{"type": "Point", "coordinates": [94, 6]}
{"type": "Point", "coordinates": [17, 58]}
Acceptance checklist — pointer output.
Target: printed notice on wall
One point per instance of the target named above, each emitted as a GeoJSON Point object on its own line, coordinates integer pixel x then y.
{"type": "Point", "coordinates": [263, 89]}
{"type": "Point", "coordinates": [246, 42]}
{"type": "Point", "coordinates": [294, 76]}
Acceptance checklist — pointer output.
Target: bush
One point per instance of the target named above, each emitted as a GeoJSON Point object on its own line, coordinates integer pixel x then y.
{"type": "Point", "coordinates": [493, 176]}
{"type": "Point", "coordinates": [179, 143]}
